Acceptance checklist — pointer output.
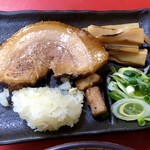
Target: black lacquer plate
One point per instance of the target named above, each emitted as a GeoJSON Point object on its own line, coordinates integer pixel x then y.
{"type": "Point", "coordinates": [12, 128]}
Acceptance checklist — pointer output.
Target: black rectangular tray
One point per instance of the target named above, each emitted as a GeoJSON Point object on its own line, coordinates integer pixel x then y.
{"type": "Point", "coordinates": [12, 128]}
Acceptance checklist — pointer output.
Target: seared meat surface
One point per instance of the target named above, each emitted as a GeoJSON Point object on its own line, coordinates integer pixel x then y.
{"type": "Point", "coordinates": [88, 82]}
{"type": "Point", "coordinates": [95, 101]}
{"type": "Point", "coordinates": [37, 48]}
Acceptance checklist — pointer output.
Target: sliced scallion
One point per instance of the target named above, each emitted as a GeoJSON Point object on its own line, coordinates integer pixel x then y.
{"type": "Point", "coordinates": [115, 95]}
{"type": "Point", "coordinates": [129, 73]}
{"type": "Point", "coordinates": [147, 99]}
{"type": "Point", "coordinates": [132, 80]}
{"type": "Point", "coordinates": [113, 69]}
{"type": "Point", "coordinates": [141, 121]}
{"type": "Point", "coordinates": [130, 109]}
{"type": "Point", "coordinates": [148, 91]}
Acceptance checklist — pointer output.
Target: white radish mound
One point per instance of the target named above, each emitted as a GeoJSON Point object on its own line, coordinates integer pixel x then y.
{"type": "Point", "coordinates": [3, 97]}
{"type": "Point", "coordinates": [47, 108]}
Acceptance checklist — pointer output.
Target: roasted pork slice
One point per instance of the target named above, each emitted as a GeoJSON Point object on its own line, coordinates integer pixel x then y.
{"type": "Point", "coordinates": [37, 48]}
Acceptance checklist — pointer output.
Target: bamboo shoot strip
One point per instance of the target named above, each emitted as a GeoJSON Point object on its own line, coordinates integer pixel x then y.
{"type": "Point", "coordinates": [129, 58]}
{"type": "Point", "coordinates": [129, 36]}
{"type": "Point", "coordinates": [123, 26]}
{"type": "Point", "coordinates": [126, 48]}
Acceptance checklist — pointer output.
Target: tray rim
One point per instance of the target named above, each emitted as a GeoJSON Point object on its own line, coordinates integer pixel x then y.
{"type": "Point", "coordinates": [68, 11]}
{"type": "Point", "coordinates": [30, 139]}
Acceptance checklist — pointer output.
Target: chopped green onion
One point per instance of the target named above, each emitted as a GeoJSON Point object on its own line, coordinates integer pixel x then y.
{"type": "Point", "coordinates": [130, 109]}
{"type": "Point", "coordinates": [138, 74]}
{"type": "Point", "coordinates": [125, 84]}
{"type": "Point", "coordinates": [147, 119]}
{"type": "Point", "coordinates": [148, 75]}
{"type": "Point", "coordinates": [141, 121]}
{"type": "Point", "coordinates": [143, 89]}
{"type": "Point", "coordinates": [113, 69]}
{"type": "Point", "coordinates": [115, 95]}
{"type": "Point", "coordinates": [129, 73]}
{"type": "Point", "coordinates": [131, 90]}
{"type": "Point", "coordinates": [122, 87]}
{"type": "Point", "coordinates": [137, 90]}
{"type": "Point", "coordinates": [148, 91]}
{"type": "Point", "coordinates": [104, 116]}
{"type": "Point", "coordinates": [132, 80]}
{"type": "Point", "coordinates": [116, 78]}
{"type": "Point", "coordinates": [133, 70]}
{"type": "Point", "coordinates": [147, 99]}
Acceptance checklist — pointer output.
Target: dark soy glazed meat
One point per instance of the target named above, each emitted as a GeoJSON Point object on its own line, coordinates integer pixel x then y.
{"type": "Point", "coordinates": [37, 48]}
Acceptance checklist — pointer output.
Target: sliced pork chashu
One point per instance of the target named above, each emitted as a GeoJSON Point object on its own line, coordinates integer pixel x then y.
{"type": "Point", "coordinates": [37, 48]}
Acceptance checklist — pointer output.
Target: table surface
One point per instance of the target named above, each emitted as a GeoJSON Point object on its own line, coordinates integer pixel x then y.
{"type": "Point", "coordinates": [138, 140]}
